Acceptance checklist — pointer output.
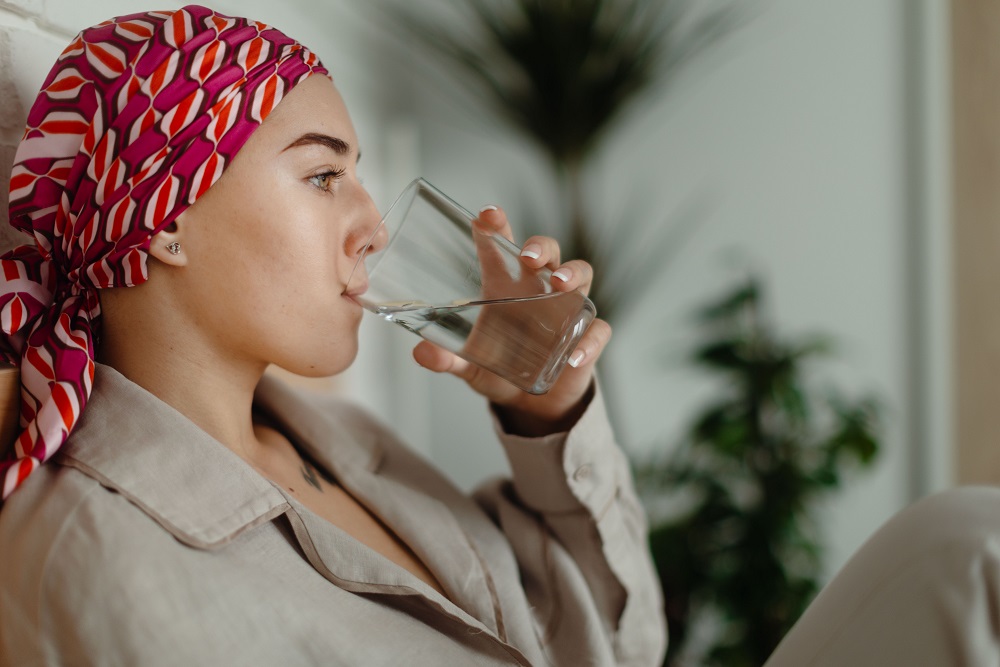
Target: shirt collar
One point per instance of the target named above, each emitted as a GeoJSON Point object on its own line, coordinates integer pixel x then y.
{"type": "Point", "coordinates": [194, 486]}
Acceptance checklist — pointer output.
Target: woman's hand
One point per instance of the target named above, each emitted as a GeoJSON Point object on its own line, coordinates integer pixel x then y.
{"type": "Point", "coordinates": [524, 413]}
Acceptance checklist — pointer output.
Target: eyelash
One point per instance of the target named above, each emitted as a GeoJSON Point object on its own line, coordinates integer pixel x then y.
{"type": "Point", "coordinates": [332, 175]}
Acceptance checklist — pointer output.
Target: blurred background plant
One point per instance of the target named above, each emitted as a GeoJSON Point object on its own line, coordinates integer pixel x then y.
{"type": "Point", "coordinates": [737, 546]}
{"type": "Point", "coordinates": [565, 73]}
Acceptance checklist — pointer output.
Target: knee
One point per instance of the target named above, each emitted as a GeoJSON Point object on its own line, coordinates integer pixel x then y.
{"type": "Point", "coordinates": [968, 516]}
{"type": "Point", "coordinates": [922, 590]}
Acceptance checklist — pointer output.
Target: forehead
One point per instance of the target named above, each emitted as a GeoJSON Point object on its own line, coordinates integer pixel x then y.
{"type": "Point", "coordinates": [313, 106]}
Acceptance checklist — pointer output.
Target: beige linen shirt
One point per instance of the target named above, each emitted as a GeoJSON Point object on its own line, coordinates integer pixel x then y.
{"type": "Point", "coordinates": [146, 542]}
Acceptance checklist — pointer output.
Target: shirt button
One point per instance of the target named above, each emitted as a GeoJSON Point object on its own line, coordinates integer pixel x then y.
{"type": "Point", "coordinates": [582, 474]}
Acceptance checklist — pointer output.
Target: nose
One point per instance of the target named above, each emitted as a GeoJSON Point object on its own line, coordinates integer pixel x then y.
{"type": "Point", "coordinates": [378, 239]}
{"type": "Point", "coordinates": [370, 235]}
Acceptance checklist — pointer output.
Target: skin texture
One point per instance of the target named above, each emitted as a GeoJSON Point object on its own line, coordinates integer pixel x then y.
{"type": "Point", "coordinates": [265, 258]}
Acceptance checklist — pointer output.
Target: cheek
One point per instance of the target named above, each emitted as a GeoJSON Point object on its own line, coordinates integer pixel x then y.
{"type": "Point", "coordinates": [276, 266]}
{"type": "Point", "coordinates": [280, 311]}
{"type": "Point", "coordinates": [298, 287]}
{"type": "Point", "coordinates": [288, 241]}
{"type": "Point", "coordinates": [309, 331]}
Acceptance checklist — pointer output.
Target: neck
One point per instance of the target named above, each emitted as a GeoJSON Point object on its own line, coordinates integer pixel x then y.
{"type": "Point", "coordinates": [171, 361]}
{"type": "Point", "coordinates": [220, 403]}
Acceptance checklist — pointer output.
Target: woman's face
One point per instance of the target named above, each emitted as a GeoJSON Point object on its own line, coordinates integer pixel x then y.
{"type": "Point", "coordinates": [270, 247]}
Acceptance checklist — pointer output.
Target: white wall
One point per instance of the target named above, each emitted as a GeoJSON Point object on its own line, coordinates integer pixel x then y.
{"type": "Point", "coordinates": [798, 132]}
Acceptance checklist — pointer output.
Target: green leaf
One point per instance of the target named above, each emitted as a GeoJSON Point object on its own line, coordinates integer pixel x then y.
{"type": "Point", "coordinates": [723, 354]}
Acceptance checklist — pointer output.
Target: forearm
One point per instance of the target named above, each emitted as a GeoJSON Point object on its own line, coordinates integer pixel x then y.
{"type": "Point", "coordinates": [580, 485]}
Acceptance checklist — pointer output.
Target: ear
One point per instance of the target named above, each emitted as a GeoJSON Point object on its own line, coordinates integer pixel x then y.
{"type": "Point", "coordinates": [166, 238]}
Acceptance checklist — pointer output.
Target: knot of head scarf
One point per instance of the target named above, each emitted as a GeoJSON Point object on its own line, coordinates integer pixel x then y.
{"type": "Point", "coordinates": [137, 119]}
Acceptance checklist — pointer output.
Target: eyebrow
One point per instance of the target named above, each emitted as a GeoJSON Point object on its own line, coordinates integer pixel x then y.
{"type": "Point", "coordinates": [338, 146]}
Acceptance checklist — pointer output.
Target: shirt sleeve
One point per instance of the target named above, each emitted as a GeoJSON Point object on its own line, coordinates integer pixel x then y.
{"type": "Point", "coordinates": [572, 515]}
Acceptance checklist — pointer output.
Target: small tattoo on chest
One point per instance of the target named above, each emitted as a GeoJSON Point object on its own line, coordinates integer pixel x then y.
{"type": "Point", "coordinates": [309, 474]}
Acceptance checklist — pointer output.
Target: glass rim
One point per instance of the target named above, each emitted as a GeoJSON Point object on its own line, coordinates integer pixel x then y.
{"type": "Point", "coordinates": [410, 190]}
{"type": "Point", "coordinates": [440, 200]}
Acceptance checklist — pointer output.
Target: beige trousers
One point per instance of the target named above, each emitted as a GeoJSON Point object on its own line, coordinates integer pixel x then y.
{"type": "Point", "coordinates": [924, 590]}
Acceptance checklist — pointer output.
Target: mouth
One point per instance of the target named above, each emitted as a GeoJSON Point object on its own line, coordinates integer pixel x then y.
{"type": "Point", "coordinates": [354, 293]}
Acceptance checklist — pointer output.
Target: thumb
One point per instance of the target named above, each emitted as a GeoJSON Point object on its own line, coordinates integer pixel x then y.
{"type": "Point", "coordinates": [440, 360]}
{"type": "Point", "coordinates": [437, 359]}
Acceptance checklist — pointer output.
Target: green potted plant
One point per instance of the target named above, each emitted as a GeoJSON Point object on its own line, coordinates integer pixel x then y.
{"type": "Point", "coordinates": [740, 545]}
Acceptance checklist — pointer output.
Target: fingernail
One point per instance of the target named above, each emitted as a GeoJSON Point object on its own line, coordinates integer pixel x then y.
{"type": "Point", "coordinates": [562, 274]}
{"type": "Point", "coordinates": [533, 250]}
{"type": "Point", "coordinates": [488, 207]}
{"type": "Point", "coordinates": [577, 358]}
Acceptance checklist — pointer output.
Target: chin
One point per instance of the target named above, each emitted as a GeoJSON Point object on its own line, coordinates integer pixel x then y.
{"type": "Point", "coordinates": [324, 363]}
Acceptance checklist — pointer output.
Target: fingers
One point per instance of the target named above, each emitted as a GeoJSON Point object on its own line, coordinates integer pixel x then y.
{"type": "Point", "coordinates": [591, 346]}
{"type": "Point", "coordinates": [575, 274]}
{"type": "Point", "coordinates": [541, 251]}
{"type": "Point", "coordinates": [495, 220]}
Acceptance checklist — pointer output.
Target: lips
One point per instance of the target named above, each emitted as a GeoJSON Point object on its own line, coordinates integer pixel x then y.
{"type": "Point", "coordinates": [353, 293]}
{"type": "Point", "coordinates": [356, 291]}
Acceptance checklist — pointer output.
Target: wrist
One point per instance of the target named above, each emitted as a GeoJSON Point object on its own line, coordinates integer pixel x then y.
{"type": "Point", "coordinates": [530, 423]}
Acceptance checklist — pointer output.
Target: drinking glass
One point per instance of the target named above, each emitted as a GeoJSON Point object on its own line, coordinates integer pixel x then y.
{"type": "Point", "coordinates": [454, 282]}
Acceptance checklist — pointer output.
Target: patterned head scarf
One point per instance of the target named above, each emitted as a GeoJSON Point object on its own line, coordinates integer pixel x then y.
{"type": "Point", "coordinates": [137, 119]}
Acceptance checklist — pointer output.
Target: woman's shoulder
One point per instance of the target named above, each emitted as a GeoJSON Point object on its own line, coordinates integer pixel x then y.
{"type": "Point", "coordinates": [68, 543]}
{"type": "Point", "coordinates": [62, 517]}
{"type": "Point", "coordinates": [91, 576]}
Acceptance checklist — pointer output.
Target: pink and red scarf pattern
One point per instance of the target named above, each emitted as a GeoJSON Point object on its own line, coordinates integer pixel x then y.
{"type": "Point", "coordinates": [137, 119]}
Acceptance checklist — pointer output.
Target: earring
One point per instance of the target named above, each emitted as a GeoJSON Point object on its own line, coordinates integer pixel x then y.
{"type": "Point", "coordinates": [174, 248]}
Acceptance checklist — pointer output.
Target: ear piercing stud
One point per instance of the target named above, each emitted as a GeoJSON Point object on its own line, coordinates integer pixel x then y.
{"type": "Point", "coordinates": [174, 248]}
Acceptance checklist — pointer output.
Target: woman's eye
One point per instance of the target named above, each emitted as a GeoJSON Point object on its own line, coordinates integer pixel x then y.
{"type": "Point", "coordinates": [326, 180]}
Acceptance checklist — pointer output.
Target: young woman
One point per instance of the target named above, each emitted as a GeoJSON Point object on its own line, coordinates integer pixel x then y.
{"type": "Point", "coordinates": [188, 184]}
